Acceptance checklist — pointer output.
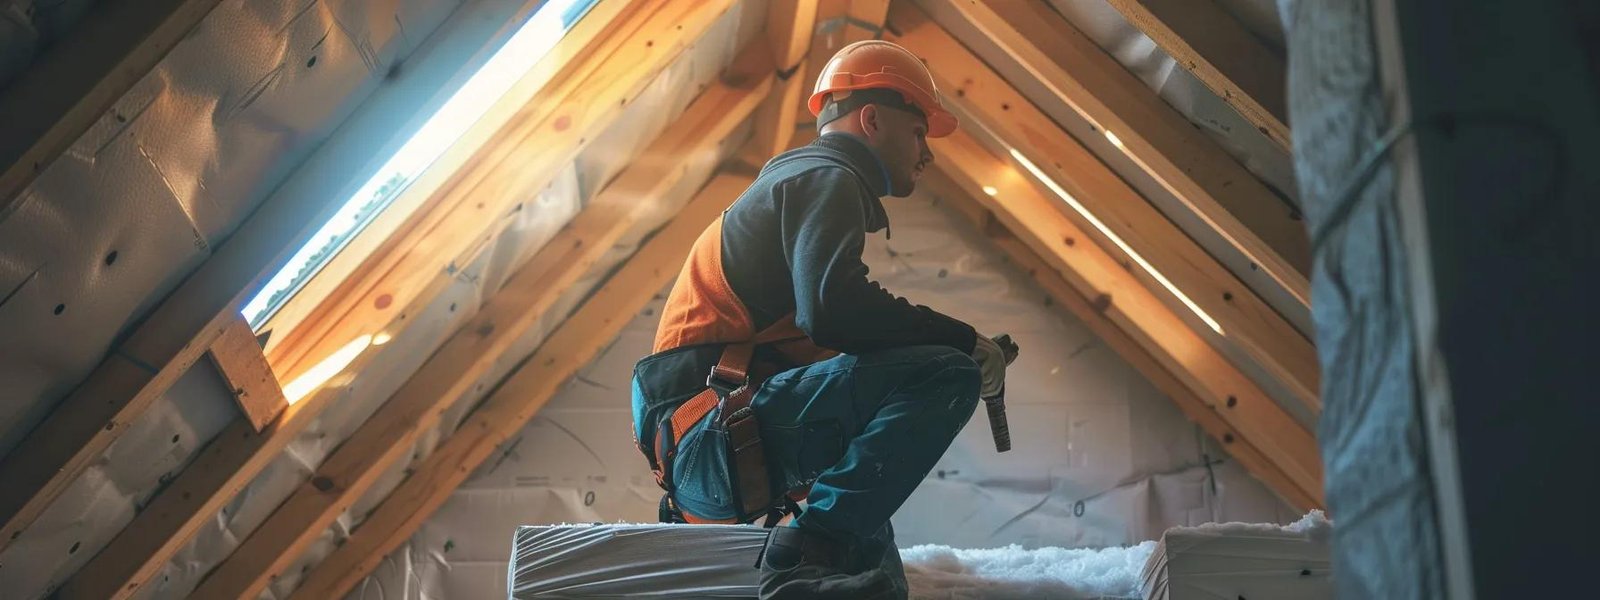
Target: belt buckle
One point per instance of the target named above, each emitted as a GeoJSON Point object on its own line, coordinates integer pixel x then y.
{"type": "Point", "coordinates": [724, 382]}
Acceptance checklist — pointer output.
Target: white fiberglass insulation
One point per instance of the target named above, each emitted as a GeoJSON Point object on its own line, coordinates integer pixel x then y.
{"type": "Point", "coordinates": [1016, 573]}
{"type": "Point", "coordinates": [1100, 457]}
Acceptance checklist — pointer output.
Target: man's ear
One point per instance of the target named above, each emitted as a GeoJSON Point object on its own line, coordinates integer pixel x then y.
{"type": "Point", "coordinates": [870, 123]}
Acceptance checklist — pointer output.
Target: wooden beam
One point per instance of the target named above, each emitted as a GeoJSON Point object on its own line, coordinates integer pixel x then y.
{"type": "Point", "coordinates": [840, 23]}
{"type": "Point", "coordinates": [1190, 165]}
{"type": "Point", "coordinates": [238, 454]}
{"type": "Point", "coordinates": [544, 137]}
{"type": "Point", "coordinates": [237, 356]}
{"type": "Point", "coordinates": [226, 465]}
{"type": "Point", "coordinates": [572, 345]}
{"type": "Point", "coordinates": [1137, 324]}
{"type": "Point", "coordinates": [1222, 54]}
{"type": "Point", "coordinates": [1241, 317]}
{"type": "Point", "coordinates": [74, 83]}
{"type": "Point", "coordinates": [469, 354]}
{"type": "Point", "coordinates": [789, 28]}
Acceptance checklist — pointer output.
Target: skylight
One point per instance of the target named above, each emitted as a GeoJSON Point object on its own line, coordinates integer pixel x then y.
{"type": "Point", "coordinates": [519, 54]}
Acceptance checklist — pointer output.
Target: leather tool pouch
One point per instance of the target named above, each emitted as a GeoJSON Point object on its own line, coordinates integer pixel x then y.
{"type": "Point", "coordinates": [736, 422]}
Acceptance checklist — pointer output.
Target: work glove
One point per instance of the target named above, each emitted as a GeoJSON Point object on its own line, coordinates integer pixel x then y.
{"type": "Point", "coordinates": [991, 364]}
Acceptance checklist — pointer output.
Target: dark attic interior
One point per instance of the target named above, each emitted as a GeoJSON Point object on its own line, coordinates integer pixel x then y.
{"type": "Point", "coordinates": [798, 299]}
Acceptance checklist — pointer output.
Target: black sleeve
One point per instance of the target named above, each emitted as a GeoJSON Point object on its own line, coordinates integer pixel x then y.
{"type": "Point", "coordinates": [824, 231]}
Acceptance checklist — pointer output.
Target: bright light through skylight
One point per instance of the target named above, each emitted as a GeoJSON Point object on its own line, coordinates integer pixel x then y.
{"type": "Point", "coordinates": [519, 54]}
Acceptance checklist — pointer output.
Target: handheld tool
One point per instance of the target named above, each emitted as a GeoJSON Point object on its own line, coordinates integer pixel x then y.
{"type": "Point", "coordinates": [998, 427]}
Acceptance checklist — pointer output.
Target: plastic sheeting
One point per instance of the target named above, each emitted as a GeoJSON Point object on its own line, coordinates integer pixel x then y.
{"type": "Point", "coordinates": [1100, 459]}
{"type": "Point", "coordinates": [187, 154]}
{"type": "Point", "coordinates": [617, 561]}
{"type": "Point", "coordinates": [97, 505]}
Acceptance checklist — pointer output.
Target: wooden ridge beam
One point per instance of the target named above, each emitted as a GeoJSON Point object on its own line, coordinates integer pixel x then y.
{"type": "Point", "coordinates": [789, 28]}
{"type": "Point", "coordinates": [572, 345]}
{"type": "Point", "coordinates": [1177, 265]}
{"type": "Point", "coordinates": [237, 356]}
{"type": "Point", "coordinates": [471, 352]}
{"type": "Point", "coordinates": [73, 83]}
{"type": "Point", "coordinates": [1222, 54]}
{"type": "Point", "coordinates": [543, 137]}
{"type": "Point", "coordinates": [1180, 157]}
{"type": "Point", "coordinates": [1142, 329]}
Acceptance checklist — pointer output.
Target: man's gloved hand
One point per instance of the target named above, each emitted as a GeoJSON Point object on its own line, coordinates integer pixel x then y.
{"type": "Point", "coordinates": [992, 364]}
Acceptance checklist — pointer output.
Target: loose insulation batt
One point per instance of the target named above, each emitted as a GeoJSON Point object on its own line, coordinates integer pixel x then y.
{"type": "Point", "coordinates": [1242, 560]}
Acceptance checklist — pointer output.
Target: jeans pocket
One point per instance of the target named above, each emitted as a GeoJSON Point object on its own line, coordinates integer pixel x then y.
{"type": "Point", "coordinates": [700, 475]}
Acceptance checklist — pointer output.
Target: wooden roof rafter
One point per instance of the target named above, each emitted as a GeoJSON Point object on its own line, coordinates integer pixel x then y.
{"type": "Point", "coordinates": [1222, 54]}
{"type": "Point", "coordinates": [789, 29]}
{"type": "Point", "coordinates": [238, 454]}
{"type": "Point", "coordinates": [1056, 252]}
{"type": "Point", "coordinates": [388, 435]}
{"type": "Point", "coordinates": [1182, 159]}
{"type": "Point", "coordinates": [838, 23]}
{"type": "Point", "coordinates": [1182, 272]}
{"type": "Point", "coordinates": [571, 346]}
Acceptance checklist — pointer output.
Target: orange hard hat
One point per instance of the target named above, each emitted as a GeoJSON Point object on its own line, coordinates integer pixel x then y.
{"type": "Point", "coordinates": [878, 64]}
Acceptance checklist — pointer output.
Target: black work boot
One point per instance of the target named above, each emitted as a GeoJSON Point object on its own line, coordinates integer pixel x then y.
{"type": "Point", "coordinates": [800, 564]}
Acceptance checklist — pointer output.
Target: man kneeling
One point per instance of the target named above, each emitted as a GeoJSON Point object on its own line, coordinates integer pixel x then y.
{"type": "Point", "coordinates": [781, 373]}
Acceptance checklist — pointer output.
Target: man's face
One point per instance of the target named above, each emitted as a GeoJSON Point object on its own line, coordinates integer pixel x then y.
{"type": "Point", "coordinates": [900, 137]}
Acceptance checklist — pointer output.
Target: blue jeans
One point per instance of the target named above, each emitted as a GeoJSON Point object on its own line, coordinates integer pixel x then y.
{"type": "Point", "coordinates": [863, 430]}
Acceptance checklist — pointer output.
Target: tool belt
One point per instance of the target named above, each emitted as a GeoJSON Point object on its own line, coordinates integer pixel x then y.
{"type": "Point", "coordinates": [730, 386]}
